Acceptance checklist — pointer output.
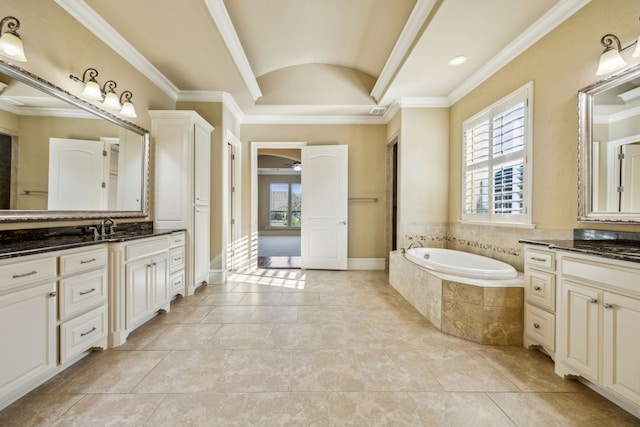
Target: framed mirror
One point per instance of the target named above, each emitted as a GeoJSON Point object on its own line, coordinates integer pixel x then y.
{"type": "Point", "coordinates": [62, 158]}
{"type": "Point", "coordinates": [609, 149]}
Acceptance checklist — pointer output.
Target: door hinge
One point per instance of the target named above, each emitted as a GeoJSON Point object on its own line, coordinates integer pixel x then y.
{"type": "Point", "coordinates": [620, 189]}
{"type": "Point", "coordinates": [620, 156]}
{"type": "Point", "coordinates": [104, 153]}
{"type": "Point", "coordinates": [233, 221]}
{"type": "Point", "coordinates": [233, 157]}
{"type": "Point", "coordinates": [233, 189]}
{"type": "Point", "coordinates": [104, 184]}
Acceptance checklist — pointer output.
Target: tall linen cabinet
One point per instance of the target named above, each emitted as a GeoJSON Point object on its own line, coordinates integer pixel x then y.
{"type": "Point", "coordinates": [182, 185]}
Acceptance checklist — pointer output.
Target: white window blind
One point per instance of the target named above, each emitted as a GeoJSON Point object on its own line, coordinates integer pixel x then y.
{"type": "Point", "coordinates": [496, 146]}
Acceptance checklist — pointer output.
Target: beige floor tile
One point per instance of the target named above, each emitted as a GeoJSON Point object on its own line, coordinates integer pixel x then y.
{"type": "Point", "coordinates": [201, 409]}
{"type": "Point", "coordinates": [37, 409]}
{"type": "Point", "coordinates": [299, 335]}
{"type": "Point", "coordinates": [465, 371]}
{"type": "Point", "coordinates": [274, 314]}
{"type": "Point", "coordinates": [142, 337]}
{"type": "Point", "coordinates": [530, 370]}
{"type": "Point", "coordinates": [223, 298]}
{"type": "Point", "coordinates": [185, 372]}
{"type": "Point", "coordinates": [261, 298]}
{"type": "Point", "coordinates": [321, 314]}
{"type": "Point", "coordinates": [326, 370]}
{"type": "Point", "coordinates": [395, 370]}
{"type": "Point", "coordinates": [446, 409]}
{"type": "Point", "coordinates": [111, 410]}
{"type": "Point", "coordinates": [243, 336]}
{"type": "Point", "coordinates": [293, 409]}
{"type": "Point", "coordinates": [229, 314]}
{"type": "Point", "coordinates": [115, 372]}
{"type": "Point", "coordinates": [184, 337]}
{"type": "Point", "coordinates": [372, 409]}
{"type": "Point", "coordinates": [256, 371]}
{"type": "Point", "coordinates": [546, 409]}
{"type": "Point", "coordinates": [184, 314]}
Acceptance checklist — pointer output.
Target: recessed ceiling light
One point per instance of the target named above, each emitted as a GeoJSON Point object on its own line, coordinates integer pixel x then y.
{"type": "Point", "coordinates": [457, 60]}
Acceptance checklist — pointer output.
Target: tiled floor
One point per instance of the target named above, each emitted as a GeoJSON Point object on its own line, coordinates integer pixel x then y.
{"type": "Point", "coordinates": [317, 348]}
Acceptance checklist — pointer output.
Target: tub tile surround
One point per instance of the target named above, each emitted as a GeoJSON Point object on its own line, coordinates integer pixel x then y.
{"type": "Point", "coordinates": [485, 315]}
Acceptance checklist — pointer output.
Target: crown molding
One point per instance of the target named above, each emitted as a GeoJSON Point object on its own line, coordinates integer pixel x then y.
{"type": "Point", "coordinates": [403, 45]}
{"type": "Point", "coordinates": [213, 96]}
{"type": "Point", "coordinates": [88, 17]}
{"type": "Point", "coordinates": [548, 22]}
{"type": "Point", "coordinates": [227, 31]}
{"type": "Point", "coordinates": [312, 120]}
{"type": "Point", "coordinates": [423, 102]}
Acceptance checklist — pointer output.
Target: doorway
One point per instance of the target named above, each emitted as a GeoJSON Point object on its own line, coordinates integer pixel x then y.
{"type": "Point", "coordinates": [279, 208]}
{"type": "Point", "coordinates": [393, 159]}
{"type": "Point", "coordinates": [5, 172]}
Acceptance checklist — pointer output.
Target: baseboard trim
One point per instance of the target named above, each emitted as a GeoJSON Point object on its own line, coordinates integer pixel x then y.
{"type": "Point", "coordinates": [366, 264]}
{"type": "Point", "coordinates": [217, 277]}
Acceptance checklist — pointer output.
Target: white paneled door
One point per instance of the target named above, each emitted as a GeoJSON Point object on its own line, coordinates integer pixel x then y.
{"type": "Point", "coordinates": [324, 207]}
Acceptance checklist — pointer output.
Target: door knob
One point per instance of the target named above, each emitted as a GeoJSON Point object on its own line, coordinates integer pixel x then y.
{"type": "Point", "coordinates": [343, 222]}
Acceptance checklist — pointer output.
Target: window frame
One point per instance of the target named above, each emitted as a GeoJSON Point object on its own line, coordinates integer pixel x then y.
{"type": "Point", "coordinates": [289, 212]}
{"type": "Point", "coordinates": [524, 93]}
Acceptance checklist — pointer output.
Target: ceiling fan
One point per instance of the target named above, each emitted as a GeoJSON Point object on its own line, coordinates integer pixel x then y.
{"type": "Point", "coordinates": [296, 166]}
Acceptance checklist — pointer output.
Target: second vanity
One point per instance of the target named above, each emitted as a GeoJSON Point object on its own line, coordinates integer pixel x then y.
{"type": "Point", "coordinates": [583, 309]}
{"type": "Point", "coordinates": [64, 292]}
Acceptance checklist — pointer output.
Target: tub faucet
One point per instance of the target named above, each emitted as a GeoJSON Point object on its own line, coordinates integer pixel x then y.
{"type": "Point", "coordinates": [415, 242]}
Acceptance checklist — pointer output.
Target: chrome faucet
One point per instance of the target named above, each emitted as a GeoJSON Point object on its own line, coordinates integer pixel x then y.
{"type": "Point", "coordinates": [415, 242]}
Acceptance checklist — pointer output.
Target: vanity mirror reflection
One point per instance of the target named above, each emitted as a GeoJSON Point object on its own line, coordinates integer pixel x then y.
{"type": "Point", "coordinates": [609, 149]}
{"type": "Point", "coordinates": [63, 158]}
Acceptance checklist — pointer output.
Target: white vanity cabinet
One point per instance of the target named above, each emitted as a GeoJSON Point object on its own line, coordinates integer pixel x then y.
{"type": "Point", "coordinates": [598, 319]}
{"type": "Point", "coordinates": [182, 186]}
{"type": "Point", "coordinates": [27, 323]}
{"type": "Point", "coordinates": [138, 284]}
{"type": "Point", "coordinates": [540, 299]}
{"type": "Point", "coordinates": [82, 308]}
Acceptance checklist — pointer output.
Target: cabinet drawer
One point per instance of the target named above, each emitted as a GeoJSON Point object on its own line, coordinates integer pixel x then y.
{"type": "Point", "coordinates": [540, 288]}
{"type": "Point", "coordinates": [146, 247]}
{"type": "Point", "coordinates": [540, 326]}
{"type": "Point", "coordinates": [82, 333]}
{"type": "Point", "coordinates": [177, 239]}
{"type": "Point", "coordinates": [24, 272]}
{"type": "Point", "coordinates": [83, 261]}
{"type": "Point", "coordinates": [82, 292]}
{"type": "Point", "coordinates": [176, 259]}
{"type": "Point", "coordinates": [176, 283]}
{"type": "Point", "coordinates": [540, 259]}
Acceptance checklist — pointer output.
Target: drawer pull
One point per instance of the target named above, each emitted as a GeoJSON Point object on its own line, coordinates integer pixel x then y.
{"type": "Point", "coordinates": [31, 273]}
{"type": "Point", "coordinates": [537, 288]}
{"type": "Point", "coordinates": [534, 258]}
{"type": "Point", "coordinates": [88, 332]}
{"type": "Point", "coordinates": [87, 261]}
{"type": "Point", "coordinates": [178, 283]}
{"type": "Point", "coordinates": [53, 294]}
{"type": "Point", "coordinates": [593, 300]}
{"type": "Point", "coordinates": [88, 292]}
{"type": "Point", "coordinates": [536, 325]}
{"type": "Point", "coordinates": [177, 259]}
{"type": "Point", "coordinates": [607, 305]}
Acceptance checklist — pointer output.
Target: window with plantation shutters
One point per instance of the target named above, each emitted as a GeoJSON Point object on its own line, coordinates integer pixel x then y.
{"type": "Point", "coordinates": [496, 146]}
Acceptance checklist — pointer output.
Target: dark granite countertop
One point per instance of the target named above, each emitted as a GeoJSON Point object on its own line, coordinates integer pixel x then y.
{"type": "Point", "coordinates": [609, 244]}
{"type": "Point", "coordinates": [15, 243]}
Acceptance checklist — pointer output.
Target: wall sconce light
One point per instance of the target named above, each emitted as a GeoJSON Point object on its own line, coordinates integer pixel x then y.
{"type": "Point", "coordinates": [611, 60]}
{"type": "Point", "coordinates": [91, 87]}
{"type": "Point", "coordinates": [10, 41]}
{"type": "Point", "coordinates": [107, 93]}
{"type": "Point", "coordinates": [111, 99]}
{"type": "Point", "coordinates": [128, 109]}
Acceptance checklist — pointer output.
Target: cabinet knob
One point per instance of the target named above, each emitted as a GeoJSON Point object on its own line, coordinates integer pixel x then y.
{"type": "Point", "coordinates": [537, 288]}
{"type": "Point", "coordinates": [607, 305]}
{"type": "Point", "coordinates": [593, 300]}
{"type": "Point", "coordinates": [53, 294]}
{"type": "Point", "coordinates": [536, 325]}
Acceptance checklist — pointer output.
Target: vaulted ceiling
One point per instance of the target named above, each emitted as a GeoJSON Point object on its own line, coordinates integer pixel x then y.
{"type": "Point", "coordinates": [319, 58]}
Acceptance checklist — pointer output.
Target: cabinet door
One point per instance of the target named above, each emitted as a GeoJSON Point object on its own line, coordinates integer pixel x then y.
{"type": "Point", "coordinates": [160, 280]}
{"type": "Point", "coordinates": [580, 325]}
{"type": "Point", "coordinates": [201, 246]}
{"type": "Point", "coordinates": [28, 336]}
{"type": "Point", "coordinates": [138, 291]}
{"type": "Point", "coordinates": [621, 370]}
{"type": "Point", "coordinates": [202, 162]}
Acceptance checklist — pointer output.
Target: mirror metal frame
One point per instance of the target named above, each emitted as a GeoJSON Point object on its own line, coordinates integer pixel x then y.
{"type": "Point", "coordinates": [585, 155]}
{"type": "Point", "coordinates": [24, 76]}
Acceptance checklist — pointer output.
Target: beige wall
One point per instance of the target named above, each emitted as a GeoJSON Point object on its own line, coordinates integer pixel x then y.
{"type": "Point", "coordinates": [367, 151]}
